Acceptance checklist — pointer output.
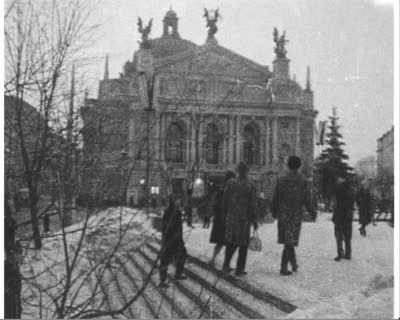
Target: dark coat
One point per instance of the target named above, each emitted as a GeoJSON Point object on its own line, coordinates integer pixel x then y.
{"type": "Point", "coordinates": [204, 207]}
{"type": "Point", "coordinates": [172, 232]}
{"type": "Point", "coordinates": [239, 202]}
{"type": "Point", "coordinates": [290, 196]}
{"type": "Point", "coordinates": [344, 197]}
{"type": "Point", "coordinates": [365, 206]}
{"type": "Point", "coordinates": [218, 228]}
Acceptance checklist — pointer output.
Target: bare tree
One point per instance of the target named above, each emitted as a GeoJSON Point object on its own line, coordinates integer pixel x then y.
{"type": "Point", "coordinates": [41, 40]}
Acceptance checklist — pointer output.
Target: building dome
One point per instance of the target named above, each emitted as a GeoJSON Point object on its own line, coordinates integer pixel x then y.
{"type": "Point", "coordinates": [285, 88]}
{"type": "Point", "coordinates": [171, 14]}
{"type": "Point", "coordinates": [169, 45]}
{"type": "Point", "coordinates": [170, 22]}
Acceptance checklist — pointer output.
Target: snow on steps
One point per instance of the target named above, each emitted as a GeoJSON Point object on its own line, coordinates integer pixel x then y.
{"type": "Point", "coordinates": [150, 311]}
{"type": "Point", "coordinates": [245, 286]}
{"type": "Point", "coordinates": [205, 302]}
{"type": "Point", "coordinates": [167, 306]}
{"type": "Point", "coordinates": [230, 294]}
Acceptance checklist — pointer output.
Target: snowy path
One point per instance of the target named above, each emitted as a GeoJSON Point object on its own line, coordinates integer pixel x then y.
{"type": "Point", "coordinates": [323, 288]}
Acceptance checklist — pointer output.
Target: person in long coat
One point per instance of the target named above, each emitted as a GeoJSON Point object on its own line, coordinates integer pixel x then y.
{"type": "Point", "coordinates": [290, 196]}
{"type": "Point", "coordinates": [218, 229]}
{"type": "Point", "coordinates": [239, 202]}
{"type": "Point", "coordinates": [204, 210]}
{"type": "Point", "coordinates": [343, 217]}
{"type": "Point", "coordinates": [172, 244]}
{"type": "Point", "coordinates": [365, 208]}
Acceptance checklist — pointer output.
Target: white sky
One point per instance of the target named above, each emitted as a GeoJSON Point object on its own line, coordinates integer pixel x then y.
{"type": "Point", "coordinates": [347, 43]}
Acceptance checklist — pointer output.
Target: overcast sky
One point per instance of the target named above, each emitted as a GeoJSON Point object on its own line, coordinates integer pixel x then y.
{"type": "Point", "coordinates": [347, 43]}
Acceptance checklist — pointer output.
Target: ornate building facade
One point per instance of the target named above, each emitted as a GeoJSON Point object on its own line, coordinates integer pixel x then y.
{"type": "Point", "coordinates": [181, 111]}
{"type": "Point", "coordinates": [385, 164]}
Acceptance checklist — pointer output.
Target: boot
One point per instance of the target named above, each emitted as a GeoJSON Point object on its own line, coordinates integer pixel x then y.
{"type": "Point", "coordinates": [284, 263]}
{"type": "Point", "coordinates": [339, 250]}
{"type": "Point", "coordinates": [294, 264]}
{"type": "Point", "coordinates": [285, 273]}
{"type": "Point", "coordinates": [292, 259]}
{"type": "Point", "coordinates": [348, 250]}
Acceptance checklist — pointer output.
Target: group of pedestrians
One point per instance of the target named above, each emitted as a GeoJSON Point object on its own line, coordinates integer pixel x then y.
{"type": "Point", "coordinates": [235, 214]}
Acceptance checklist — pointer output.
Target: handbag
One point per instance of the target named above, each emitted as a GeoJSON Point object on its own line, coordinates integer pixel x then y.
{"type": "Point", "coordinates": [255, 242]}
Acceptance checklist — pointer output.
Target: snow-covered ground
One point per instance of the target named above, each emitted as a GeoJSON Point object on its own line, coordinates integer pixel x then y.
{"type": "Point", "coordinates": [322, 288]}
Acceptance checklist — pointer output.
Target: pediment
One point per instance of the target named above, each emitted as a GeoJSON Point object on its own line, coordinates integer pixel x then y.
{"type": "Point", "coordinates": [213, 59]}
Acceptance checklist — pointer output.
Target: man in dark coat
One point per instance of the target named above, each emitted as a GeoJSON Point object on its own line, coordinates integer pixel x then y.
{"type": "Point", "coordinates": [365, 207]}
{"type": "Point", "coordinates": [218, 229]}
{"type": "Point", "coordinates": [290, 196]}
{"type": "Point", "coordinates": [172, 245]}
{"type": "Point", "coordinates": [343, 217]}
{"type": "Point", "coordinates": [239, 201]}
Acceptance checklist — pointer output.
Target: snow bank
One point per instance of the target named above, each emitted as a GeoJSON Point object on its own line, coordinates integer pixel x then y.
{"type": "Point", "coordinates": [115, 228]}
{"type": "Point", "coordinates": [373, 302]}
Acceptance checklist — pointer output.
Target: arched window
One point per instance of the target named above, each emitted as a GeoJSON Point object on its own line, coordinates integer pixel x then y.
{"type": "Point", "coordinates": [175, 143]}
{"type": "Point", "coordinates": [251, 144]}
{"type": "Point", "coordinates": [212, 144]}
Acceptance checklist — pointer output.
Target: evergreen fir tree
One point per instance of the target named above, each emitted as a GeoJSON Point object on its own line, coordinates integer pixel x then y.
{"type": "Point", "coordinates": [332, 162]}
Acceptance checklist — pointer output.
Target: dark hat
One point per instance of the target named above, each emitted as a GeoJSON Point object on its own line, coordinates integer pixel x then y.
{"type": "Point", "coordinates": [294, 162]}
{"type": "Point", "coordinates": [229, 175]}
{"type": "Point", "coordinates": [242, 167]}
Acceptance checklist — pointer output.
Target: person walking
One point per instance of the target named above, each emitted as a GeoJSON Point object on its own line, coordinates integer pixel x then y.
{"type": "Point", "coordinates": [46, 223]}
{"type": "Point", "coordinates": [189, 208]}
{"type": "Point", "coordinates": [218, 228]}
{"type": "Point", "coordinates": [290, 196]}
{"type": "Point", "coordinates": [343, 217]}
{"type": "Point", "coordinates": [204, 210]}
{"type": "Point", "coordinates": [239, 201]}
{"type": "Point", "coordinates": [365, 207]}
{"type": "Point", "coordinates": [172, 244]}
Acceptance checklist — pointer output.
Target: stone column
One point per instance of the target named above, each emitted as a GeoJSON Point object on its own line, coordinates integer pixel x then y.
{"type": "Point", "coordinates": [193, 140]}
{"type": "Point", "coordinates": [157, 136]}
{"type": "Point", "coordinates": [162, 133]}
{"type": "Point", "coordinates": [231, 140]}
{"type": "Point", "coordinates": [188, 143]}
{"type": "Point", "coordinates": [238, 139]}
{"type": "Point", "coordinates": [267, 138]}
{"type": "Point", "coordinates": [226, 142]}
{"type": "Point", "coordinates": [224, 147]}
{"type": "Point", "coordinates": [131, 136]}
{"type": "Point", "coordinates": [275, 139]}
{"type": "Point", "coordinates": [298, 136]}
{"type": "Point", "coordinates": [201, 138]}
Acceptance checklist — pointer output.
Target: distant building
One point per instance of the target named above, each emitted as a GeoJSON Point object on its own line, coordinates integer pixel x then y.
{"type": "Point", "coordinates": [385, 164]}
{"type": "Point", "coordinates": [30, 119]}
{"type": "Point", "coordinates": [210, 109]}
{"type": "Point", "coordinates": [17, 112]}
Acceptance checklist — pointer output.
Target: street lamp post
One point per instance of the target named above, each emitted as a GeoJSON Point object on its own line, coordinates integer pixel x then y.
{"type": "Point", "coordinates": [148, 110]}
